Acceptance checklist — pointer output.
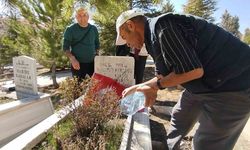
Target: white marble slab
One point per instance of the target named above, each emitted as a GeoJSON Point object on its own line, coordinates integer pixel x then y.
{"type": "Point", "coordinates": [25, 77]}
{"type": "Point", "coordinates": [120, 68]}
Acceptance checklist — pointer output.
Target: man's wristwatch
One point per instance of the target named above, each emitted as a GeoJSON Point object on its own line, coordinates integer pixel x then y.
{"type": "Point", "coordinates": [159, 84]}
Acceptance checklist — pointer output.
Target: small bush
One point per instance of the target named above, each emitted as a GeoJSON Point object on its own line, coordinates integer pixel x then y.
{"type": "Point", "coordinates": [88, 127]}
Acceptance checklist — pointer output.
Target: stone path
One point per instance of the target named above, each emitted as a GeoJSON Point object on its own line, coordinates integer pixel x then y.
{"type": "Point", "coordinates": [46, 80]}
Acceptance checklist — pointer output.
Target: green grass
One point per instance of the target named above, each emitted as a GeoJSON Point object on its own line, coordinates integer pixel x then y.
{"type": "Point", "coordinates": [61, 131]}
{"type": "Point", "coordinates": [114, 137]}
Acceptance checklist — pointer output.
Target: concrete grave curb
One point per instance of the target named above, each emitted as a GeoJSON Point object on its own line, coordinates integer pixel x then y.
{"type": "Point", "coordinates": [18, 116]}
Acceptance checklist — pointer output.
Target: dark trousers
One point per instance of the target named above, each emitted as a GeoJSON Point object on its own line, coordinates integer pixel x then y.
{"type": "Point", "coordinates": [222, 117]}
{"type": "Point", "coordinates": [85, 68]}
{"type": "Point", "coordinates": [140, 62]}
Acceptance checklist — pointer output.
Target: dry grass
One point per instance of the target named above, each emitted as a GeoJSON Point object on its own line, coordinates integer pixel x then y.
{"type": "Point", "coordinates": [4, 100]}
{"type": "Point", "coordinates": [92, 125]}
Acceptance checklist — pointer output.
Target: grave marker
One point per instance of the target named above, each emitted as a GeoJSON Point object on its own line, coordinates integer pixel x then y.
{"type": "Point", "coordinates": [25, 77]}
{"type": "Point", "coordinates": [120, 68]}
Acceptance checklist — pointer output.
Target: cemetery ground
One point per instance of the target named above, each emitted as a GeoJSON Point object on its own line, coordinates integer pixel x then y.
{"type": "Point", "coordinates": [159, 116]}
{"type": "Point", "coordinates": [66, 133]}
{"type": "Point", "coordinates": [44, 84]}
{"type": "Point", "coordinates": [156, 122]}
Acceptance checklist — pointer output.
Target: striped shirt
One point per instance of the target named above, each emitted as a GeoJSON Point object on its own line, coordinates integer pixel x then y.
{"type": "Point", "coordinates": [182, 43]}
{"type": "Point", "coordinates": [176, 52]}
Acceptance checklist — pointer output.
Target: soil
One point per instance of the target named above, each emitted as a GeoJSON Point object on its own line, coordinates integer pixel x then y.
{"type": "Point", "coordinates": [159, 123]}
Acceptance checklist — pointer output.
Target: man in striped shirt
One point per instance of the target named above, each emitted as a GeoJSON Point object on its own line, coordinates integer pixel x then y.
{"type": "Point", "coordinates": [212, 65]}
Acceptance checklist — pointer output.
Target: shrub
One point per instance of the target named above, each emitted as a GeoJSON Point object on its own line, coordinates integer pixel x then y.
{"type": "Point", "coordinates": [89, 126]}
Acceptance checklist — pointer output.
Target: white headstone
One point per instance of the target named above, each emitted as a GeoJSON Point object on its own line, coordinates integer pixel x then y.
{"type": "Point", "coordinates": [120, 68]}
{"type": "Point", "coordinates": [25, 77]}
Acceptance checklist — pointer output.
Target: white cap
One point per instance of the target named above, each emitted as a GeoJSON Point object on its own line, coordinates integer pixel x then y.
{"type": "Point", "coordinates": [125, 16]}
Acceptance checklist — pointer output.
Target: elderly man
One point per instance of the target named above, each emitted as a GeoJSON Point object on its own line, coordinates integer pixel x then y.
{"type": "Point", "coordinates": [212, 65]}
{"type": "Point", "coordinates": [81, 44]}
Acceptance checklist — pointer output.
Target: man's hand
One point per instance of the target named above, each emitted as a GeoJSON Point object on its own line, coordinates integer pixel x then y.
{"type": "Point", "coordinates": [150, 94]}
{"type": "Point", "coordinates": [75, 63]}
{"type": "Point", "coordinates": [129, 90]}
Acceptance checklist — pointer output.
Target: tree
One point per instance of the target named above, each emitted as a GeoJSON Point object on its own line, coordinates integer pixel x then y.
{"type": "Point", "coordinates": [107, 13]}
{"type": "Point", "coordinates": [201, 8]}
{"type": "Point", "coordinates": [230, 23]}
{"type": "Point", "coordinates": [246, 37]}
{"type": "Point", "coordinates": [168, 7]}
{"type": "Point", "coordinates": [39, 34]}
{"type": "Point", "coordinates": [146, 5]}
{"type": "Point", "coordinates": [163, 7]}
{"type": "Point", "coordinates": [105, 17]}
{"type": "Point", "coordinates": [6, 53]}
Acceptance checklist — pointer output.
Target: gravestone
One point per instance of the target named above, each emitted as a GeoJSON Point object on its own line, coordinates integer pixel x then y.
{"type": "Point", "coordinates": [120, 68]}
{"type": "Point", "coordinates": [137, 130]}
{"type": "Point", "coordinates": [25, 77]}
{"type": "Point", "coordinates": [30, 108]}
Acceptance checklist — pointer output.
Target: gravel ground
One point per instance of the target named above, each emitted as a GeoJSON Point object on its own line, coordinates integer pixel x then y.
{"type": "Point", "coordinates": [159, 122]}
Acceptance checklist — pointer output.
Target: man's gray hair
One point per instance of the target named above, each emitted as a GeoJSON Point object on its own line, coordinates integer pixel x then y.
{"type": "Point", "coordinates": [81, 6]}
